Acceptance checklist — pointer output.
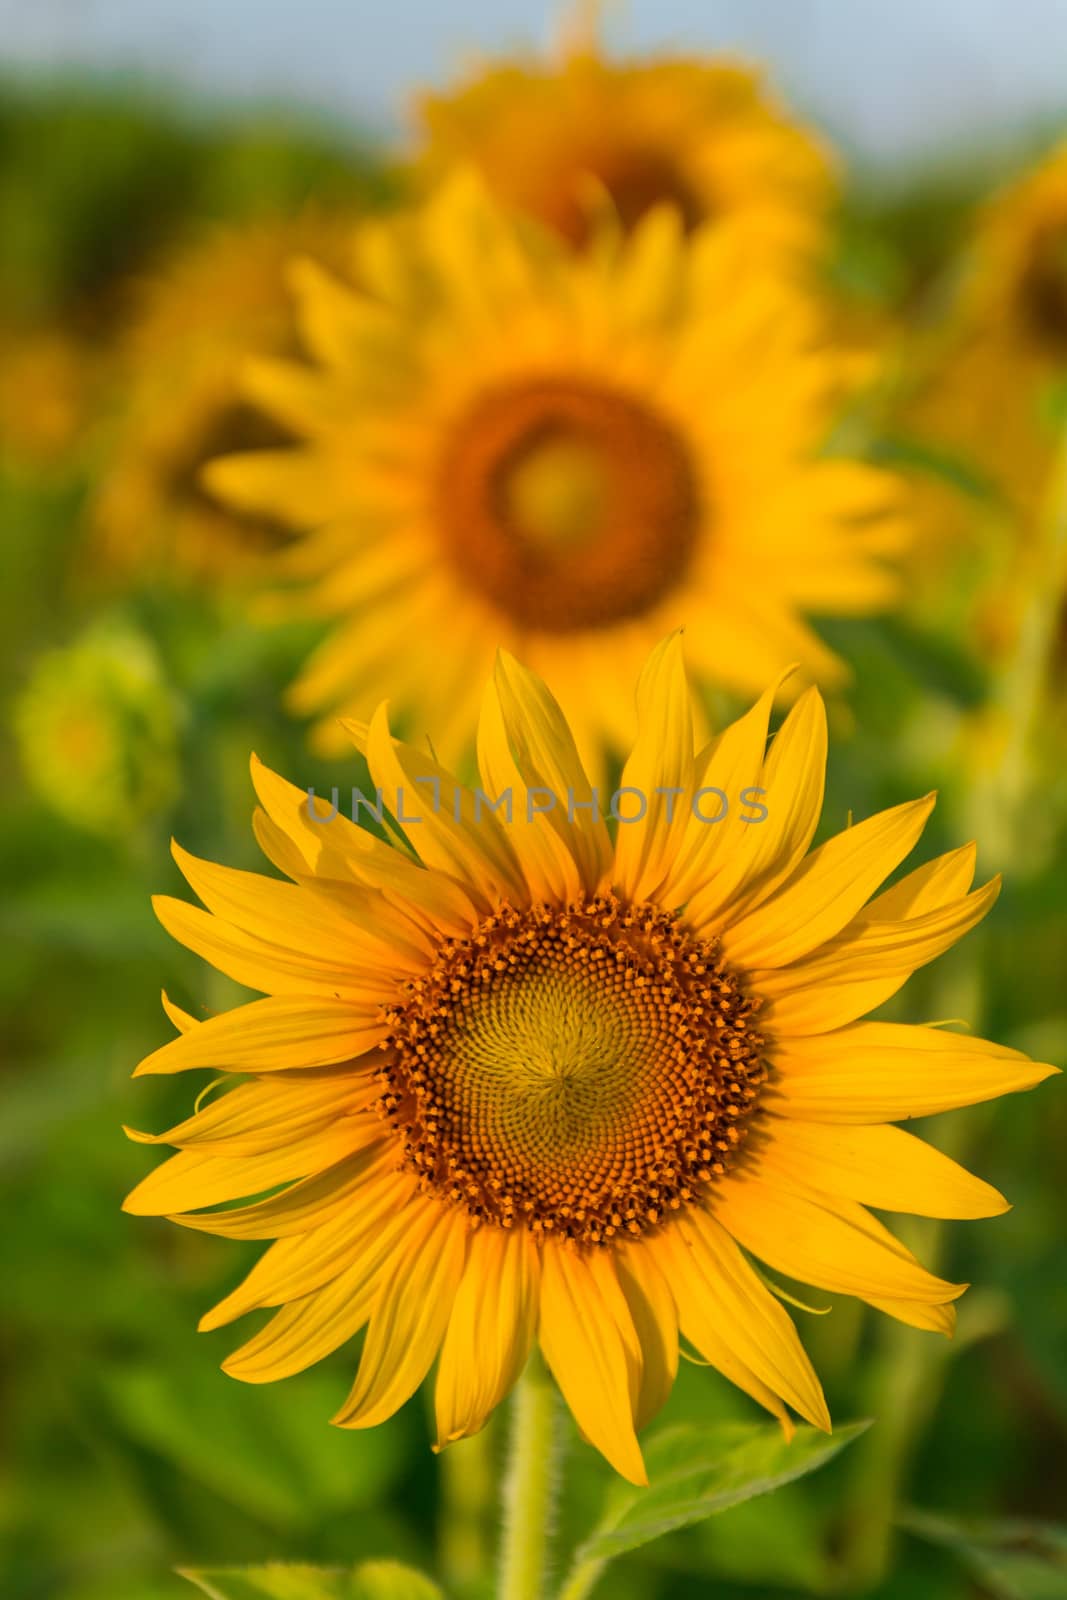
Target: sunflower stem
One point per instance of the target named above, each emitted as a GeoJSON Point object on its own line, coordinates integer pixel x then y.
{"type": "Point", "coordinates": [467, 1484]}
{"type": "Point", "coordinates": [581, 1580]}
{"type": "Point", "coordinates": [530, 1485]}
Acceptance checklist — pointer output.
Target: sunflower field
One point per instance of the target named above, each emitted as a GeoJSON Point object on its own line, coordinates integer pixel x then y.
{"type": "Point", "coordinates": [545, 638]}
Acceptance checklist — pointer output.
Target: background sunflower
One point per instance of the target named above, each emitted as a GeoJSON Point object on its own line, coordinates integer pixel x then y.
{"type": "Point", "coordinates": [499, 443]}
{"type": "Point", "coordinates": [558, 137]}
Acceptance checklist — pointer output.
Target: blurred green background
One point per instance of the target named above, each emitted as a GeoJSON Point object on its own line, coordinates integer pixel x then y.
{"type": "Point", "coordinates": [126, 1452]}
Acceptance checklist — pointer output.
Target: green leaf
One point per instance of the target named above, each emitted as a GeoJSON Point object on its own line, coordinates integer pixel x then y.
{"type": "Point", "coordinates": [697, 1472]}
{"type": "Point", "coordinates": [372, 1580]}
{"type": "Point", "coordinates": [273, 1582]}
{"type": "Point", "coordinates": [388, 1580]}
{"type": "Point", "coordinates": [1012, 1560]}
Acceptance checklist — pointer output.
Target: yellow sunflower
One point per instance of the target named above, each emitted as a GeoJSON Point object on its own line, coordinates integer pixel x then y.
{"type": "Point", "coordinates": [97, 726]}
{"type": "Point", "coordinates": [983, 390]}
{"type": "Point", "coordinates": [505, 442]}
{"type": "Point", "coordinates": [1018, 283]}
{"type": "Point", "coordinates": [222, 301]}
{"type": "Point", "coordinates": [536, 1085]}
{"type": "Point", "coordinates": [556, 138]}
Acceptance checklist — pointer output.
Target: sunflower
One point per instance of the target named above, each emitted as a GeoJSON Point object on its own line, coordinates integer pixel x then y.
{"type": "Point", "coordinates": [97, 726]}
{"type": "Point", "coordinates": [533, 1085]}
{"type": "Point", "coordinates": [557, 138]}
{"type": "Point", "coordinates": [221, 301]}
{"type": "Point", "coordinates": [983, 391]}
{"type": "Point", "coordinates": [505, 442]}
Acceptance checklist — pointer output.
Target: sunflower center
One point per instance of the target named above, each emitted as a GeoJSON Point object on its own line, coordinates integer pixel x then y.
{"type": "Point", "coordinates": [635, 179]}
{"type": "Point", "coordinates": [231, 429]}
{"type": "Point", "coordinates": [1044, 289]}
{"type": "Point", "coordinates": [568, 506]}
{"type": "Point", "coordinates": [557, 493]}
{"type": "Point", "coordinates": [581, 1070]}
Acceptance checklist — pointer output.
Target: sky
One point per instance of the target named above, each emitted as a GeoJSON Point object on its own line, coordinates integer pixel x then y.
{"type": "Point", "coordinates": [898, 81]}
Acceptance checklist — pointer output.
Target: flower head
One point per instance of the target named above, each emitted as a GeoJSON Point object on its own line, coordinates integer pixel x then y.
{"type": "Point", "coordinates": [221, 301]}
{"type": "Point", "coordinates": [558, 138]}
{"type": "Point", "coordinates": [519, 1081]}
{"type": "Point", "coordinates": [568, 454]}
{"type": "Point", "coordinates": [980, 392]}
{"type": "Point", "coordinates": [97, 726]}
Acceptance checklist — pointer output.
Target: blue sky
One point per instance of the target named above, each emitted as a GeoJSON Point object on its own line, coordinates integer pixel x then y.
{"type": "Point", "coordinates": [899, 80]}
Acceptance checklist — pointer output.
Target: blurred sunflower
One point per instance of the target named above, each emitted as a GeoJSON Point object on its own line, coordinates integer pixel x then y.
{"type": "Point", "coordinates": [555, 138]}
{"type": "Point", "coordinates": [505, 442]}
{"type": "Point", "coordinates": [225, 299]}
{"type": "Point", "coordinates": [983, 391]}
{"type": "Point", "coordinates": [97, 727]}
{"type": "Point", "coordinates": [531, 1084]}
{"type": "Point", "coordinates": [1018, 285]}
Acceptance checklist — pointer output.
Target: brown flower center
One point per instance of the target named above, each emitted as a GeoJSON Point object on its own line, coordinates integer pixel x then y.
{"type": "Point", "coordinates": [636, 180]}
{"type": "Point", "coordinates": [582, 1070]}
{"type": "Point", "coordinates": [231, 429]}
{"type": "Point", "coordinates": [1044, 289]}
{"type": "Point", "coordinates": [567, 505]}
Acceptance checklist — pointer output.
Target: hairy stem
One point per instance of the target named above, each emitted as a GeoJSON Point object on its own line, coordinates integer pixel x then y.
{"type": "Point", "coordinates": [466, 1491]}
{"type": "Point", "coordinates": [529, 1494]}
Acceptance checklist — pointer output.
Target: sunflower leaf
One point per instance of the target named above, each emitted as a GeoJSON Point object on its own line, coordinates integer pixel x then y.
{"type": "Point", "coordinates": [372, 1580]}
{"type": "Point", "coordinates": [1011, 1560]}
{"type": "Point", "coordinates": [696, 1472]}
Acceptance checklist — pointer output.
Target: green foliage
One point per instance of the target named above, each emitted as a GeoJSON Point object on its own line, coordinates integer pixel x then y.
{"type": "Point", "coordinates": [696, 1473]}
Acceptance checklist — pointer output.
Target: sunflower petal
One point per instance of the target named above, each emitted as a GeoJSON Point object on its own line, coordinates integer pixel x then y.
{"type": "Point", "coordinates": [306, 1330]}
{"type": "Point", "coordinates": [882, 1167]}
{"type": "Point", "coordinates": [409, 1319]}
{"type": "Point", "coordinates": [257, 1116]}
{"type": "Point", "coordinates": [863, 966]}
{"type": "Point", "coordinates": [547, 757]}
{"type": "Point", "coordinates": [490, 1330]}
{"type": "Point", "coordinates": [589, 1342]}
{"type": "Point", "coordinates": [272, 1035]}
{"type": "Point", "coordinates": [360, 1233]}
{"type": "Point", "coordinates": [888, 1071]}
{"type": "Point", "coordinates": [829, 888]}
{"type": "Point", "coordinates": [196, 1178]}
{"type": "Point", "coordinates": [928, 888]}
{"type": "Point", "coordinates": [296, 1209]}
{"type": "Point", "coordinates": [181, 1019]}
{"type": "Point", "coordinates": [450, 833]}
{"type": "Point", "coordinates": [651, 1303]}
{"type": "Point", "coordinates": [661, 763]}
{"type": "Point", "coordinates": [548, 865]}
{"type": "Point", "coordinates": [341, 850]}
{"type": "Point", "coordinates": [301, 917]}
{"type": "Point", "coordinates": [766, 853]}
{"type": "Point", "coordinates": [732, 763]}
{"type": "Point", "coordinates": [713, 1283]}
{"type": "Point", "coordinates": [831, 1243]}
{"type": "Point", "coordinates": [257, 964]}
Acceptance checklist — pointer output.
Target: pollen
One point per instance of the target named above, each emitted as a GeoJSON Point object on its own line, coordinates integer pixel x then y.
{"type": "Point", "coordinates": [582, 1071]}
